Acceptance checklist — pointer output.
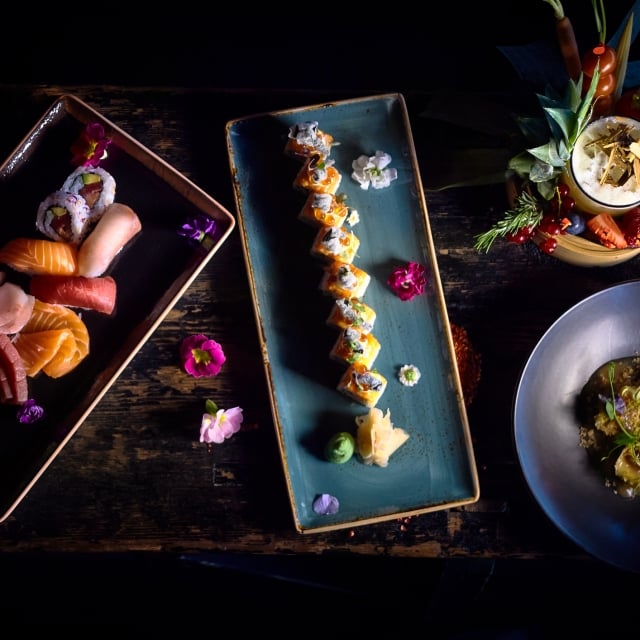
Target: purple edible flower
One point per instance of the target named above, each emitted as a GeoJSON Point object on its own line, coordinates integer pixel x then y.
{"type": "Point", "coordinates": [30, 412]}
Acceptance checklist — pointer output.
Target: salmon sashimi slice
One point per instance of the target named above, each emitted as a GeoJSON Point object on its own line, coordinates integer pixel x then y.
{"type": "Point", "coordinates": [37, 349]}
{"type": "Point", "coordinates": [14, 371]}
{"type": "Point", "coordinates": [38, 256]}
{"type": "Point", "coordinates": [64, 360]}
{"type": "Point", "coordinates": [97, 294]}
{"type": "Point", "coordinates": [48, 316]}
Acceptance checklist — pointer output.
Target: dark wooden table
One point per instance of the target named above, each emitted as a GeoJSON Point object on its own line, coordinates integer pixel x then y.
{"type": "Point", "coordinates": [135, 479]}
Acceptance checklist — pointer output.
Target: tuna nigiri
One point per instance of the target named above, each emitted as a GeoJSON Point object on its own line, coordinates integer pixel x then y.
{"type": "Point", "coordinates": [35, 255]}
{"type": "Point", "coordinates": [98, 294]}
{"type": "Point", "coordinates": [117, 226]}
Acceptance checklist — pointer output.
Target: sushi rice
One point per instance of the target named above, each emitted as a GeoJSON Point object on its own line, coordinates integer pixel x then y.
{"type": "Point", "coordinates": [96, 185]}
{"type": "Point", "coordinates": [64, 216]}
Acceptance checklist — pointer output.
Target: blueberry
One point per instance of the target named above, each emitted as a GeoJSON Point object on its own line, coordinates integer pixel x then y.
{"type": "Point", "coordinates": [577, 225]}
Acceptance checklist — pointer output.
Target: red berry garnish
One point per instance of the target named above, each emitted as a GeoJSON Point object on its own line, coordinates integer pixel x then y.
{"type": "Point", "coordinates": [549, 245]}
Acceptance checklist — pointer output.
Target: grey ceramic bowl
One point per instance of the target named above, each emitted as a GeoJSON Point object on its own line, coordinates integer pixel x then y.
{"type": "Point", "coordinates": [604, 326]}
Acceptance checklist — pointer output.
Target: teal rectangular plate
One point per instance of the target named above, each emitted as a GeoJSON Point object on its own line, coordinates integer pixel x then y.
{"type": "Point", "coordinates": [435, 469]}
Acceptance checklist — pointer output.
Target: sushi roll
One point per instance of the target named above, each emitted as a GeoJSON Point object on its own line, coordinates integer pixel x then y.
{"type": "Point", "coordinates": [351, 313]}
{"type": "Point", "coordinates": [362, 385]}
{"type": "Point", "coordinates": [318, 175]}
{"type": "Point", "coordinates": [335, 243]}
{"type": "Point", "coordinates": [305, 139]}
{"type": "Point", "coordinates": [354, 346]}
{"type": "Point", "coordinates": [64, 217]}
{"type": "Point", "coordinates": [344, 281]}
{"type": "Point", "coordinates": [324, 210]}
{"type": "Point", "coordinates": [95, 185]}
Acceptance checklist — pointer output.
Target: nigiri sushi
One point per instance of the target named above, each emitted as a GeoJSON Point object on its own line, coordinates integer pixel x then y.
{"type": "Point", "coordinates": [36, 255]}
{"type": "Point", "coordinates": [98, 294]}
{"type": "Point", "coordinates": [117, 226]}
{"type": "Point", "coordinates": [16, 306]}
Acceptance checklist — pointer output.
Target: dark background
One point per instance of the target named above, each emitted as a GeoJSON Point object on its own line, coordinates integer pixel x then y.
{"type": "Point", "coordinates": [397, 46]}
{"type": "Point", "coordinates": [387, 48]}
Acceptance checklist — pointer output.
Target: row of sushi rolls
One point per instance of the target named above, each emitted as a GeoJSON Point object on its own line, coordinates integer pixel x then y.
{"type": "Point", "coordinates": [79, 229]}
{"type": "Point", "coordinates": [336, 246]}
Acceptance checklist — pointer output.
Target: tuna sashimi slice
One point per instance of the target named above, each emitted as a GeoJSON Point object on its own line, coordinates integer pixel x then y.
{"type": "Point", "coordinates": [14, 370]}
{"type": "Point", "coordinates": [6, 394]}
{"type": "Point", "coordinates": [98, 294]}
{"type": "Point", "coordinates": [34, 255]}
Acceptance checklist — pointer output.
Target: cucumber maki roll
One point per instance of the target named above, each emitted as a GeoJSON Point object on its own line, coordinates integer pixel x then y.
{"type": "Point", "coordinates": [95, 185]}
{"type": "Point", "coordinates": [65, 217]}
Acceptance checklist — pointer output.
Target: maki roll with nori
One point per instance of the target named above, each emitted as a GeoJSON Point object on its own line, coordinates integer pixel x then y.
{"type": "Point", "coordinates": [95, 185]}
{"type": "Point", "coordinates": [65, 217]}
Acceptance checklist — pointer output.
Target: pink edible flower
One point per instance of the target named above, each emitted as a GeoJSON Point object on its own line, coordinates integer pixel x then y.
{"type": "Point", "coordinates": [407, 282]}
{"type": "Point", "coordinates": [91, 146]}
{"type": "Point", "coordinates": [201, 356]}
{"type": "Point", "coordinates": [221, 426]}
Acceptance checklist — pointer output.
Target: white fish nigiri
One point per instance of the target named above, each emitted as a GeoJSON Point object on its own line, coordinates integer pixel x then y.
{"type": "Point", "coordinates": [117, 226]}
{"type": "Point", "coordinates": [16, 306]}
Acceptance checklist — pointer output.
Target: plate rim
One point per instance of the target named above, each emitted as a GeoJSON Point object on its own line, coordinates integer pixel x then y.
{"type": "Point", "coordinates": [542, 494]}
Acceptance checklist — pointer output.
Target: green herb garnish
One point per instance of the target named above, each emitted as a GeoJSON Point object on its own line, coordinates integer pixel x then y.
{"type": "Point", "coordinates": [540, 167]}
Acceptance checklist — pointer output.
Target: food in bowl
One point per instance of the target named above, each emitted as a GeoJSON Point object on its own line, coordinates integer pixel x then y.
{"type": "Point", "coordinates": [603, 173]}
{"type": "Point", "coordinates": [609, 418]}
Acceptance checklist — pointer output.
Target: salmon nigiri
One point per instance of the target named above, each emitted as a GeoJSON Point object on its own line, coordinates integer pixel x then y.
{"type": "Point", "coordinates": [34, 255]}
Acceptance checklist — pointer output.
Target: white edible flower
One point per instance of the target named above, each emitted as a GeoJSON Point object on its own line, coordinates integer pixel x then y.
{"type": "Point", "coordinates": [353, 218]}
{"type": "Point", "coordinates": [409, 375]}
{"type": "Point", "coordinates": [372, 170]}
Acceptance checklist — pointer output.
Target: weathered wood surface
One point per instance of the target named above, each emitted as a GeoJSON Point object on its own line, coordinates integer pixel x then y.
{"type": "Point", "coordinates": [135, 477]}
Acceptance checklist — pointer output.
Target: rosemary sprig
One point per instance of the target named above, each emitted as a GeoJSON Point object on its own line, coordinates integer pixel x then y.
{"type": "Point", "coordinates": [526, 213]}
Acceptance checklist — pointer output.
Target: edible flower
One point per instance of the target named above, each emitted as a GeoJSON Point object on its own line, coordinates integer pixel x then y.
{"type": "Point", "coordinates": [353, 217]}
{"type": "Point", "coordinates": [372, 170]}
{"type": "Point", "coordinates": [326, 504]}
{"type": "Point", "coordinates": [409, 375]}
{"type": "Point", "coordinates": [30, 412]}
{"type": "Point", "coordinates": [198, 227]}
{"type": "Point", "coordinates": [91, 146]}
{"type": "Point", "coordinates": [408, 281]}
{"type": "Point", "coordinates": [219, 425]}
{"type": "Point", "coordinates": [201, 356]}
